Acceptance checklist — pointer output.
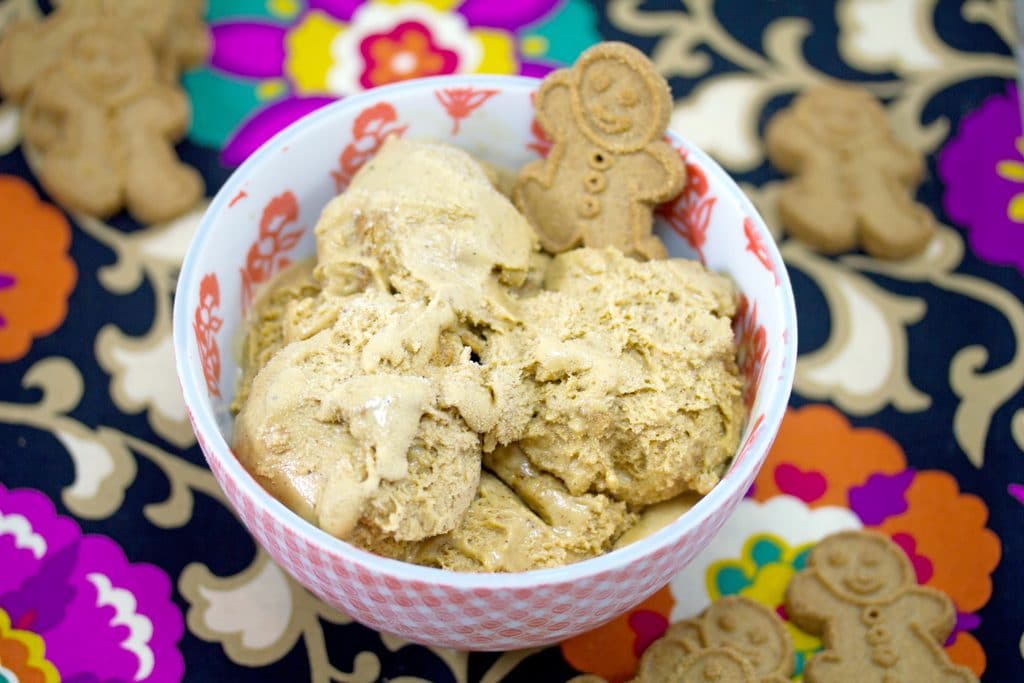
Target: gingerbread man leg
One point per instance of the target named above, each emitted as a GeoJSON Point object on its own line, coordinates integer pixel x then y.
{"type": "Point", "coordinates": [892, 224]}
{"type": "Point", "coordinates": [820, 214]}
{"type": "Point", "coordinates": [543, 204]}
{"type": "Point", "coordinates": [829, 667]}
{"type": "Point", "coordinates": [86, 184]}
{"type": "Point", "coordinates": [158, 187]}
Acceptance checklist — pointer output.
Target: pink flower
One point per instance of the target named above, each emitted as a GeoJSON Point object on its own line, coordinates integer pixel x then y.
{"type": "Point", "coordinates": [99, 616]}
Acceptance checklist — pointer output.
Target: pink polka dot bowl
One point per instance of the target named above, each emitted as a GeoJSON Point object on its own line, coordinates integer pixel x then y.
{"type": "Point", "coordinates": [263, 218]}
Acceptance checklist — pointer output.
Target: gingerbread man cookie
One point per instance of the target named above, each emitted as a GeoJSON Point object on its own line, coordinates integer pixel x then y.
{"type": "Point", "coordinates": [714, 665]}
{"type": "Point", "coordinates": [173, 28]}
{"type": "Point", "coordinates": [746, 629]}
{"type": "Point", "coordinates": [853, 179]}
{"type": "Point", "coordinates": [608, 166]}
{"type": "Point", "coordinates": [29, 47]}
{"type": "Point", "coordinates": [859, 593]}
{"type": "Point", "coordinates": [102, 125]}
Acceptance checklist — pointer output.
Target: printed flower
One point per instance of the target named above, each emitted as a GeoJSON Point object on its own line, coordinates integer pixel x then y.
{"type": "Point", "coordinates": [823, 476]}
{"type": "Point", "coordinates": [406, 52]}
{"type": "Point", "coordinates": [57, 585]}
{"type": "Point", "coordinates": [36, 273]}
{"type": "Point", "coordinates": [752, 348]}
{"type": "Point", "coordinates": [206, 324]}
{"type": "Point", "coordinates": [22, 659]}
{"type": "Point", "coordinates": [983, 169]}
{"type": "Point", "coordinates": [762, 573]}
{"type": "Point", "coordinates": [795, 465]}
{"type": "Point", "coordinates": [612, 651]}
{"type": "Point", "coordinates": [266, 71]}
{"type": "Point", "coordinates": [689, 214]}
{"type": "Point", "coordinates": [942, 530]}
{"type": "Point", "coordinates": [755, 245]}
{"type": "Point", "coordinates": [267, 255]}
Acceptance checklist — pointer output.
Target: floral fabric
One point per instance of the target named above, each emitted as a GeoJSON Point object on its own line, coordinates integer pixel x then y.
{"type": "Point", "coordinates": [119, 559]}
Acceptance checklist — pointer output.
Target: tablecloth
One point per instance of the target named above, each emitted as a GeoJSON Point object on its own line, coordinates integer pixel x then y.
{"type": "Point", "coordinates": [119, 560]}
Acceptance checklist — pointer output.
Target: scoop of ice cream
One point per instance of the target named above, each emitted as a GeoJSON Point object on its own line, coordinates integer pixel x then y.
{"type": "Point", "coordinates": [425, 220]}
{"type": "Point", "coordinates": [266, 325]}
{"type": "Point", "coordinates": [497, 534]}
{"type": "Point", "coordinates": [621, 377]}
{"type": "Point", "coordinates": [586, 524]}
{"type": "Point", "coordinates": [520, 519]}
{"type": "Point", "coordinates": [374, 421]}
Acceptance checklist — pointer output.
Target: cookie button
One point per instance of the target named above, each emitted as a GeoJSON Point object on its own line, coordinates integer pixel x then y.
{"type": "Point", "coordinates": [878, 634]}
{"type": "Point", "coordinates": [884, 656]}
{"type": "Point", "coordinates": [594, 182]}
{"type": "Point", "coordinates": [871, 615]}
{"type": "Point", "coordinates": [600, 160]}
{"type": "Point", "coordinates": [713, 672]}
{"type": "Point", "coordinates": [588, 206]}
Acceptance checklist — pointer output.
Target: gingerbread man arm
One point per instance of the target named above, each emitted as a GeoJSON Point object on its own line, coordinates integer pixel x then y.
{"type": "Point", "coordinates": [933, 611]}
{"type": "Point", "coordinates": [789, 142]}
{"type": "Point", "coordinates": [659, 160]}
{"type": "Point", "coordinates": [23, 57]}
{"type": "Point", "coordinates": [896, 158]}
{"type": "Point", "coordinates": [686, 633]}
{"type": "Point", "coordinates": [163, 109]}
{"type": "Point", "coordinates": [52, 103]}
{"type": "Point", "coordinates": [553, 104]}
{"type": "Point", "coordinates": [809, 603]}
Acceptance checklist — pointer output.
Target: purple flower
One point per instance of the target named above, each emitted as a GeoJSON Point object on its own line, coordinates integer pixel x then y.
{"type": "Point", "coordinates": [268, 70]}
{"type": "Point", "coordinates": [57, 584]}
{"type": "Point", "coordinates": [983, 169]}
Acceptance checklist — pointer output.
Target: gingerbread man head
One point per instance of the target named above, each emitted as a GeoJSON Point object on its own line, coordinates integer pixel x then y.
{"type": "Point", "coordinates": [107, 65]}
{"type": "Point", "coordinates": [608, 167]}
{"type": "Point", "coordinates": [861, 568]}
{"type": "Point", "coordinates": [619, 101]}
{"type": "Point", "coordinates": [751, 630]}
{"type": "Point", "coordinates": [150, 18]}
{"type": "Point", "coordinates": [840, 116]}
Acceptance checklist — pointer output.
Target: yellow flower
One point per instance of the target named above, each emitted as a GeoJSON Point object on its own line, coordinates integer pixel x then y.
{"type": "Point", "coordinates": [1013, 170]}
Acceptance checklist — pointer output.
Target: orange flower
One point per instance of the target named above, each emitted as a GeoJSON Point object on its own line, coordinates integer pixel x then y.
{"type": "Point", "coordinates": [818, 457]}
{"type": "Point", "coordinates": [823, 460]}
{"type": "Point", "coordinates": [36, 273]}
{"type": "Point", "coordinates": [408, 51]}
{"type": "Point", "coordinates": [949, 528]}
{"type": "Point", "coordinates": [612, 651]}
{"type": "Point", "coordinates": [22, 654]}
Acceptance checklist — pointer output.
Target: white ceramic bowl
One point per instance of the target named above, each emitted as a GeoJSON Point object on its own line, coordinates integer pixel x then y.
{"type": "Point", "coordinates": [264, 216]}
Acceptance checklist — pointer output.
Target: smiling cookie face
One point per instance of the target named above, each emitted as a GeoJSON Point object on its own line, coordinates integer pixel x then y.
{"type": "Point", "coordinates": [861, 568]}
{"type": "Point", "coordinates": [623, 104]}
{"type": "Point", "coordinates": [842, 115]}
{"type": "Point", "coordinates": [109, 65]}
{"type": "Point", "coordinates": [751, 630]}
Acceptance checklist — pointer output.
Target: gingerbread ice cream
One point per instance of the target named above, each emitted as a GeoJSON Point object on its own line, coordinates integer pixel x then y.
{"type": "Point", "coordinates": [438, 389]}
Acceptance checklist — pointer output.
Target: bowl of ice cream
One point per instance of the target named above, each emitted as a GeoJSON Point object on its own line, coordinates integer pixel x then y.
{"type": "Point", "coordinates": [533, 444]}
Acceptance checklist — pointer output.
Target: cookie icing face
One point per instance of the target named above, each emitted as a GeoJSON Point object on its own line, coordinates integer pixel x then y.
{"type": "Point", "coordinates": [619, 103]}
{"type": "Point", "coordinates": [841, 115]}
{"type": "Point", "coordinates": [108, 67]}
{"type": "Point", "coordinates": [861, 569]}
{"type": "Point", "coordinates": [752, 632]}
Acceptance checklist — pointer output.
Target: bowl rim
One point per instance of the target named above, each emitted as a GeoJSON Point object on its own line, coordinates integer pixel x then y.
{"type": "Point", "coordinates": [217, 447]}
